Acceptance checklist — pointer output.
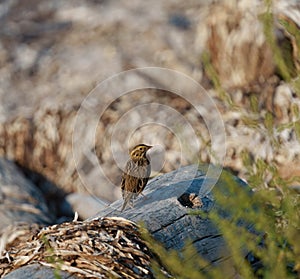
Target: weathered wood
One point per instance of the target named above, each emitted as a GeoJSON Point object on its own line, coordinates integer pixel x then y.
{"type": "Point", "coordinates": [169, 221]}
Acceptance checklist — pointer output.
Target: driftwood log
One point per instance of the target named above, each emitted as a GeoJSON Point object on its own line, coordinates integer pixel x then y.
{"type": "Point", "coordinates": [164, 211]}
{"type": "Point", "coordinates": [167, 212]}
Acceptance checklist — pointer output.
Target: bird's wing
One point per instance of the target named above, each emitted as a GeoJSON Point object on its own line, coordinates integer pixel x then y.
{"type": "Point", "coordinates": [130, 178]}
{"type": "Point", "coordinates": [135, 177]}
{"type": "Point", "coordinates": [125, 174]}
{"type": "Point", "coordinates": [146, 170]}
{"type": "Point", "coordinates": [134, 180]}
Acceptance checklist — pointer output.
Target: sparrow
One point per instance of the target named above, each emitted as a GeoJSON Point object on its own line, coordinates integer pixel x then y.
{"type": "Point", "coordinates": [136, 174]}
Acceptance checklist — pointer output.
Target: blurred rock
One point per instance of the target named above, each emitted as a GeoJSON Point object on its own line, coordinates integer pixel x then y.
{"type": "Point", "coordinates": [282, 102]}
{"type": "Point", "coordinates": [54, 53]}
{"type": "Point", "coordinates": [37, 271]}
{"type": "Point", "coordinates": [180, 21]}
{"type": "Point", "coordinates": [20, 200]}
{"type": "Point", "coordinates": [233, 34]}
{"type": "Point", "coordinates": [85, 205]}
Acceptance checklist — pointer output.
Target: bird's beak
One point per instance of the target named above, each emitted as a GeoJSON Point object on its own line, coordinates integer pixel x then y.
{"type": "Point", "coordinates": [148, 148]}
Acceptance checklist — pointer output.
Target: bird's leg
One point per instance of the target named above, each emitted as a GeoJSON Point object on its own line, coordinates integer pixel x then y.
{"type": "Point", "coordinates": [127, 196]}
{"type": "Point", "coordinates": [144, 197]}
{"type": "Point", "coordinates": [131, 203]}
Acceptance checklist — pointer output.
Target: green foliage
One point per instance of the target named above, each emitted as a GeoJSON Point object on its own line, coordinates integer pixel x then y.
{"type": "Point", "coordinates": [284, 55]}
{"type": "Point", "coordinates": [254, 103]}
{"type": "Point", "coordinates": [274, 215]}
{"type": "Point", "coordinates": [212, 74]}
{"type": "Point", "coordinates": [268, 23]}
{"type": "Point", "coordinates": [292, 29]}
{"type": "Point", "coordinates": [185, 265]}
{"type": "Point", "coordinates": [52, 258]}
{"type": "Point", "coordinates": [266, 221]}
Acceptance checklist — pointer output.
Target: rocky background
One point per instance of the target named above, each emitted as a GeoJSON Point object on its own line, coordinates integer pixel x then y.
{"type": "Point", "coordinates": [53, 53]}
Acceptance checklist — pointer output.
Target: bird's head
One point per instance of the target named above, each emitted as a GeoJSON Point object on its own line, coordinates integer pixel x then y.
{"type": "Point", "coordinates": [139, 151]}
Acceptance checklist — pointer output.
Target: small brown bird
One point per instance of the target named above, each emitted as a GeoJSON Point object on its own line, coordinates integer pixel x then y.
{"type": "Point", "coordinates": [136, 173]}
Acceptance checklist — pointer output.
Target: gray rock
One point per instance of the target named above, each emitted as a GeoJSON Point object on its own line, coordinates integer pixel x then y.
{"type": "Point", "coordinates": [37, 271]}
{"type": "Point", "coordinates": [85, 205]}
{"type": "Point", "coordinates": [20, 200]}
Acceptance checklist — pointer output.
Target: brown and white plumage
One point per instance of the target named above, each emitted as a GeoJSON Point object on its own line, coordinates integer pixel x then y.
{"type": "Point", "coordinates": [136, 173]}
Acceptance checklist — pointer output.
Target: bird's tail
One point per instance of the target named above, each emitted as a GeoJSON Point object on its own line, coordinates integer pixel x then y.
{"type": "Point", "coordinates": [128, 196]}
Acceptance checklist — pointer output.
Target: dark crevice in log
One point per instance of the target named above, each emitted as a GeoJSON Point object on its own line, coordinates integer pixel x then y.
{"type": "Point", "coordinates": [197, 240]}
{"type": "Point", "coordinates": [220, 260]}
{"type": "Point", "coordinates": [169, 224]}
{"type": "Point", "coordinates": [191, 200]}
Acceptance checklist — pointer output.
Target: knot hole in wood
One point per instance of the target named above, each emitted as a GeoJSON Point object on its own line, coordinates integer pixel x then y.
{"type": "Point", "coordinates": [190, 200]}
